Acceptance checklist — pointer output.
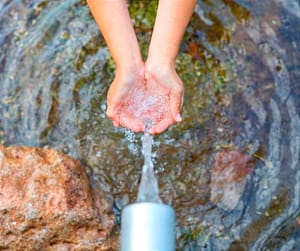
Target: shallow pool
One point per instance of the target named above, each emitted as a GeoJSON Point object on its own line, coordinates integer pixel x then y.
{"type": "Point", "coordinates": [240, 62]}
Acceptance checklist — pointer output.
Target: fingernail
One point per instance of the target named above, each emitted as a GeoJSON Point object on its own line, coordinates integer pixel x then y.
{"type": "Point", "coordinates": [116, 124]}
{"type": "Point", "coordinates": [178, 118]}
{"type": "Point", "coordinates": [151, 131]}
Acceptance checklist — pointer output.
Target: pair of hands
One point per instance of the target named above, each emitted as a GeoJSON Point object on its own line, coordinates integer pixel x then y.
{"type": "Point", "coordinates": [146, 92]}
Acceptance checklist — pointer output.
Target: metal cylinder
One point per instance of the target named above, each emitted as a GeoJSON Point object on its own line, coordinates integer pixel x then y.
{"type": "Point", "coordinates": [148, 226]}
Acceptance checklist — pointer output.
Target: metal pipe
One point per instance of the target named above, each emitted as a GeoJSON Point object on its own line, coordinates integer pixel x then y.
{"type": "Point", "coordinates": [148, 226]}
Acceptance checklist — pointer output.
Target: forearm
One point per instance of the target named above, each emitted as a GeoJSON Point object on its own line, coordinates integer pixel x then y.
{"type": "Point", "coordinates": [171, 21]}
{"type": "Point", "coordinates": [114, 22]}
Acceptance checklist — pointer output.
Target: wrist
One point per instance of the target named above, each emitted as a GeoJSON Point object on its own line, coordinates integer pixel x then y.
{"type": "Point", "coordinates": [160, 60]}
{"type": "Point", "coordinates": [161, 66]}
{"type": "Point", "coordinates": [129, 73]}
{"type": "Point", "coordinates": [154, 64]}
{"type": "Point", "coordinates": [135, 66]}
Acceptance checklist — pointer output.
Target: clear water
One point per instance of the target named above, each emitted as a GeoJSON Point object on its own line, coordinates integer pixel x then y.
{"type": "Point", "coordinates": [241, 69]}
{"type": "Point", "coordinates": [148, 189]}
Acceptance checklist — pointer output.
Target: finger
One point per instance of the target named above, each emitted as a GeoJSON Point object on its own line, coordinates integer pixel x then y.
{"type": "Point", "coordinates": [113, 116]}
{"type": "Point", "coordinates": [115, 123]}
{"type": "Point", "coordinates": [176, 101]}
{"type": "Point", "coordinates": [114, 99]}
{"type": "Point", "coordinates": [161, 126]}
{"type": "Point", "coordinates": [111, 113]}
{"type": "Point", "coordinates": [132, 123]}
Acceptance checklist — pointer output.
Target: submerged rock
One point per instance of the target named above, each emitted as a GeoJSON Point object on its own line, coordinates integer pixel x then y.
{"type": "Point", "coordinates": [46, 203]}
{"type": "Point", "coordinates": [228, 178]}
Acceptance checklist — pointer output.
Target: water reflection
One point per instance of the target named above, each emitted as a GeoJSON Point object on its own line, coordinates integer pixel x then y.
{"type": "Point", "coordinates": [240, 64]}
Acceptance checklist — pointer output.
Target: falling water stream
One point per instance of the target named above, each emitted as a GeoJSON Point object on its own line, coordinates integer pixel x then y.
{"type": "Point", "coordinates": [240, 62]}
{"type": "Point", "coordinates": [148, 189]}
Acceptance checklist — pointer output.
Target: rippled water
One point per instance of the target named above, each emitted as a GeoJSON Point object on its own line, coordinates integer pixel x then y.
{"type": "Point", "coordinates": [240, 62]}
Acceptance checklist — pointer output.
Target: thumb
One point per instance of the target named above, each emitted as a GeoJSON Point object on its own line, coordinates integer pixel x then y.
{"type": "Point", "coordinates": [113, 103]}
{"type": "Point", "coordinates": [176, 101]}
{"type": "Point", "coordinates": [112, 114]}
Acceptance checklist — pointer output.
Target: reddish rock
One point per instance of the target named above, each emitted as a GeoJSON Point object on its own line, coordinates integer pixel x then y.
{"type": "Point", "coordinates": [228, 177]}
{"type": "Point", "coordinates": [46, 203]}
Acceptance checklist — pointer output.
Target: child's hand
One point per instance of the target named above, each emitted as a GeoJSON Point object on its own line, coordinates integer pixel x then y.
{"type": "Point", "coordinates": [166, 82]}
{"type": "Point", "coordinates": [118, 98]}
{"type": "Point", "coordinates": [142, 95]}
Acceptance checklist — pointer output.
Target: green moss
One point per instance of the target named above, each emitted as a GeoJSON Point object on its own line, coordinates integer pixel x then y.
{"type": "Point", "coordinates": [192, 234]}
{"type": "Point", "coordinates": [53, 114]}
{"type": "Point", "coordinates": [240, 12]}
{"type": "Point", "coordinates": [90, 48]}
{"type": "Point", "coordinates": [143, 15]}
{"type": "Point", "coordinates": [81, 82]}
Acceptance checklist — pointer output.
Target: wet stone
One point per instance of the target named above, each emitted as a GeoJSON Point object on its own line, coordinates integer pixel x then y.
{"type": "Point", "coordinates": [47, 203]}
{"type": "Point", "coordinates": [228, 177]}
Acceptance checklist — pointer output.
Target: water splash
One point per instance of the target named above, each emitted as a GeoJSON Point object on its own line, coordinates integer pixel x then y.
{"type": "Point", "coordinates": [148, 189]}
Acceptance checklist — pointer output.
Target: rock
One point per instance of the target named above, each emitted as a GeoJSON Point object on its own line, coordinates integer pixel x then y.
{"type": "Point", "coordinates": [228, 178]}
{"type": "Point", "coordinates": [46, 203]}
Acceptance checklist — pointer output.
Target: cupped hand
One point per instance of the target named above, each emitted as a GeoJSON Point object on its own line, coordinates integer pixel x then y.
{"type": "Point", "coordinates": [165, 81]}
{"type": "Point", "coordinates": [125, 83]}
{"type": "Point", "coordinates": [143, 95]}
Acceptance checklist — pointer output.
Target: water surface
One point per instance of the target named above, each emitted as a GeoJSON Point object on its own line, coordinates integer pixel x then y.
{"type": "Point", "coordinates": [241, 68]}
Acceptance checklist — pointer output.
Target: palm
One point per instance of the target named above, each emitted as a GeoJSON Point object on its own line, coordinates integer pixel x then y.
{"type": "Point", "coordinates": [133, 103]}
{"type": "Point", "coordinates": [167, 84]}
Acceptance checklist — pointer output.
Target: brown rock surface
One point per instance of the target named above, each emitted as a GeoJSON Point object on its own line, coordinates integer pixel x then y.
{"type": "Point", "coordinates": [46, 203]}
{"type": "Point", "coordinates": [228, 177]}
